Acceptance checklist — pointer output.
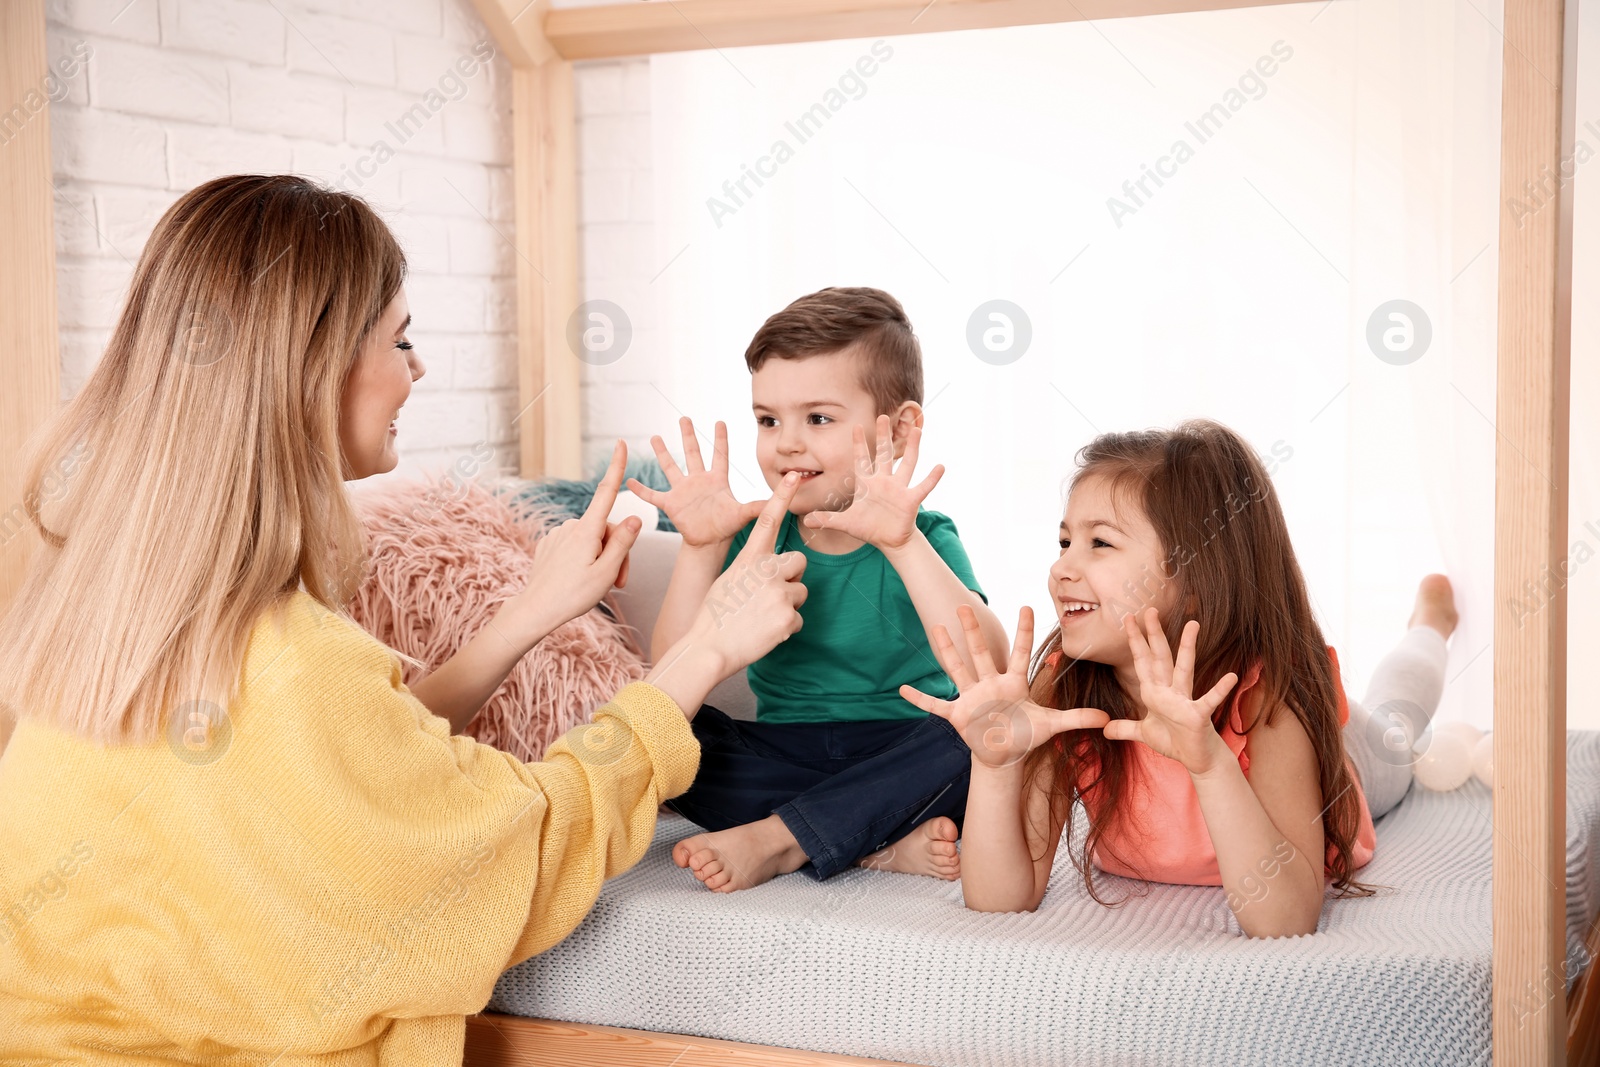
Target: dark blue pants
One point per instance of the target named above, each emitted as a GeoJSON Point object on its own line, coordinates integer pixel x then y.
{"type": "Point", "coordinates": [843, 789]}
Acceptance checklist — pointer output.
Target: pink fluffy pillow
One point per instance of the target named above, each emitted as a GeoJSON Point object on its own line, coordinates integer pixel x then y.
{"type": "Point", "coordinates": [442, 557]}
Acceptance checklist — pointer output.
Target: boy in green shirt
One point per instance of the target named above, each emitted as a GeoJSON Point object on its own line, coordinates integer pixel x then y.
{"type": "Point", "coordinates": [836, 764]}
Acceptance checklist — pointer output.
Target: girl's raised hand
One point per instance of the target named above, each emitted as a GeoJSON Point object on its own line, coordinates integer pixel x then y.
{"type": "Point", "coordinates": [1175, 724]}
{"type": "Point", "coordinates": [699, 501]}
{"type": "Point", "coordinates": [883, 509]}
{"type": "Point", "coordinates": [993, 714]}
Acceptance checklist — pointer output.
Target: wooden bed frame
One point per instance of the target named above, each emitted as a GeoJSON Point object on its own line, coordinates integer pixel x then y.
{"type": "Point", "coordinates": [1532, 411]}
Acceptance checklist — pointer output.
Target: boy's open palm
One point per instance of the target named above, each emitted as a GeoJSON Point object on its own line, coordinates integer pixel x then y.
{"type": "Point", "coordinates": [883, 509]}
{"type": "Point", "coordinates": [1175, 725]}
{"type": "Point", "coordinates": [993, 714]}
{"type": "Point", "coordinates": [698, 501]}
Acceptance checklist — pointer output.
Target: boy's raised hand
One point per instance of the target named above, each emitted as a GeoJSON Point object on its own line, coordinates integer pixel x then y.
{"type": "Point", "coordinates": [1175, 725]}
{"type": "Point", "coordinates": [993, 714]}
{"type": "Point", "coordinates": [883, 510]}
{"type": "Point", "coordinates": [698, 502]}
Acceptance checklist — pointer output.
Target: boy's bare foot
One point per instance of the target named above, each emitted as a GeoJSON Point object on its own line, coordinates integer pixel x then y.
{"type": "Point", "coordinates": [929, 849]}
{"type": "Point", "coordinates": [741, 857]}
{"type": "Point", "coordinates": [1436, 605]}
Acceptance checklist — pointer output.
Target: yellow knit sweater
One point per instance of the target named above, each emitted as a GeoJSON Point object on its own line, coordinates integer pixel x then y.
{"type": "Point", "coordinates": [333, 880]}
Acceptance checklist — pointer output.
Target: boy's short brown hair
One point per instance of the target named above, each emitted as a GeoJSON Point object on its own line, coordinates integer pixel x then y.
{"type": "Point", "coordinates": [835, 318]}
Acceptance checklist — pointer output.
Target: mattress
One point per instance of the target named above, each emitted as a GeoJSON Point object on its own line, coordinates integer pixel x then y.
{"type": "Point", "coordinates": [893, 967]}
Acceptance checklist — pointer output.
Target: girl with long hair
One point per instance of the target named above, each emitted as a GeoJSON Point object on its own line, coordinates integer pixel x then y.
{"type": "Point", "coordinates": [1228, 765]}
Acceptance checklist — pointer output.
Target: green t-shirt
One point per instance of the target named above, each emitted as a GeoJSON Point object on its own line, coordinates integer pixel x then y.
{"type": "Point", "coordinates": [862, 638]}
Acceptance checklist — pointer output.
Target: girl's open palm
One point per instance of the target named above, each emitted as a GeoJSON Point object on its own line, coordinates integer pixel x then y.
{"type": "Point", "coordinates": [698, 500]}
{"type": "Point", "coordinates": [1175, 724]}
{"type": "Point", "coordinates": [883, 509]}
{"type": "Point", "coordinates": [993, 714]}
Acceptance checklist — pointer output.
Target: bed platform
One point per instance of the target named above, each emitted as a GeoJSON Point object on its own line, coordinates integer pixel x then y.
{"type": "Point", "coordinates": [892, 967]}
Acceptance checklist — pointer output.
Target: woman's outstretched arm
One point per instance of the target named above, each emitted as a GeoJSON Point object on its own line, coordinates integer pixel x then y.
{"type": "Point", "coordinates": [574, 565]}
{"type": "Point", "coordinates": [458, 689]}
{"type": "Point", "coordinates": [739, 621]}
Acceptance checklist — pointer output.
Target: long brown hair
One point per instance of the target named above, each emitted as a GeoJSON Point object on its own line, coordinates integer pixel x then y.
{"type": "Point", "coordinates": [198, 476]}
{"type": "Point", "coordinates": [1226, 549]}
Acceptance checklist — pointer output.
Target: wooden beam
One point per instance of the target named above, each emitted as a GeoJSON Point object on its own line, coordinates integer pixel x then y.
{"type": "Point", "coordinates": [1530, 662]}
{"type": "Point", "coordinates": [631, 29]}
{"type": "Point", "coordinates": [515, 26]}
{"type": "Point", "coordinates": [32, 387]}
{"type": "Point", "coordinates": [495, 1040]}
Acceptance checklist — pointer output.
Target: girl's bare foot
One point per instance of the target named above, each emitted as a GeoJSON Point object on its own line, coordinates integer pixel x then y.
{"type": "Point", "coordinates": [741, 857]}
{"type": "Point", "coordinates": [929, 849]}
{"type": "Point", "coordinates": [1436, 605]}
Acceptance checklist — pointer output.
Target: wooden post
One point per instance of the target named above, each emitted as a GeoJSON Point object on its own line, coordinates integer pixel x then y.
{"type": "Point", "coordinates": [545, 176]}
{"type": "Point", "coordinates": [1530, 662]}
{"type": "Point", "coordinates": [32, 386]}
{"type": "Point", "coordinates": [546, 140]}
{"type": "Point", "coordinates": [27, 272]}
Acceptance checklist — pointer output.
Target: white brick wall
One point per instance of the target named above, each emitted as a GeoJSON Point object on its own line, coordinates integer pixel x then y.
{"type": "Point", "coordinates": [176, 92]}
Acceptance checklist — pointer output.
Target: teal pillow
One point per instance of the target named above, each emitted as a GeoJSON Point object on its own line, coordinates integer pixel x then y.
{"type": "Point", "coordinates": [572, 497]}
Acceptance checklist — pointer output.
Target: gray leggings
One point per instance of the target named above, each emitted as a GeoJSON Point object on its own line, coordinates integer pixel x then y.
{"type": "Point", "coordinates": [1400, 701]}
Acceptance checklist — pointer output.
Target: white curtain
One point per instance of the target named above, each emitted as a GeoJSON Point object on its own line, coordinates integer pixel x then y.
{"type": "Point", "coordinates": [1315, 162]}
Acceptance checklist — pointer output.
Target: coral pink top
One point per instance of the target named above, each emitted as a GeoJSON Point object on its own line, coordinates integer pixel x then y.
{"type": "Point", "coordinates": [1160, 826]}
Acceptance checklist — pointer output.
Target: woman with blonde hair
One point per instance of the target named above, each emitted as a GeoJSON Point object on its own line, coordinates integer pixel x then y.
{"type": "Point", "coordinates": [229, 833]}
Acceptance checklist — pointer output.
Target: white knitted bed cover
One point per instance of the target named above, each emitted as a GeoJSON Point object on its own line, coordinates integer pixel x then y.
{"type": "Point", "coordinates": [893, 967]}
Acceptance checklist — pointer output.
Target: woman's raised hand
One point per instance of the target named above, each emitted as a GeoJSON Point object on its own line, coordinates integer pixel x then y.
{"type": "Point", "coordinates": [755, 603]}
{"type": "Point", "coordinates": [698, 500]}
{"type": "Point", "coordinates": [575, 563]}
{"type": "Point", "coordinates": [1174, 724]}
{"type": "Point", "coordinates": [750, 608]}
{"type": "Point", "coordinates": [993, 714]}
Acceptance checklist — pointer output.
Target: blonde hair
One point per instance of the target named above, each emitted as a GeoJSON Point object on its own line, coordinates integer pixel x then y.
{"type": "Point", "coordinates": [198, 477]}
